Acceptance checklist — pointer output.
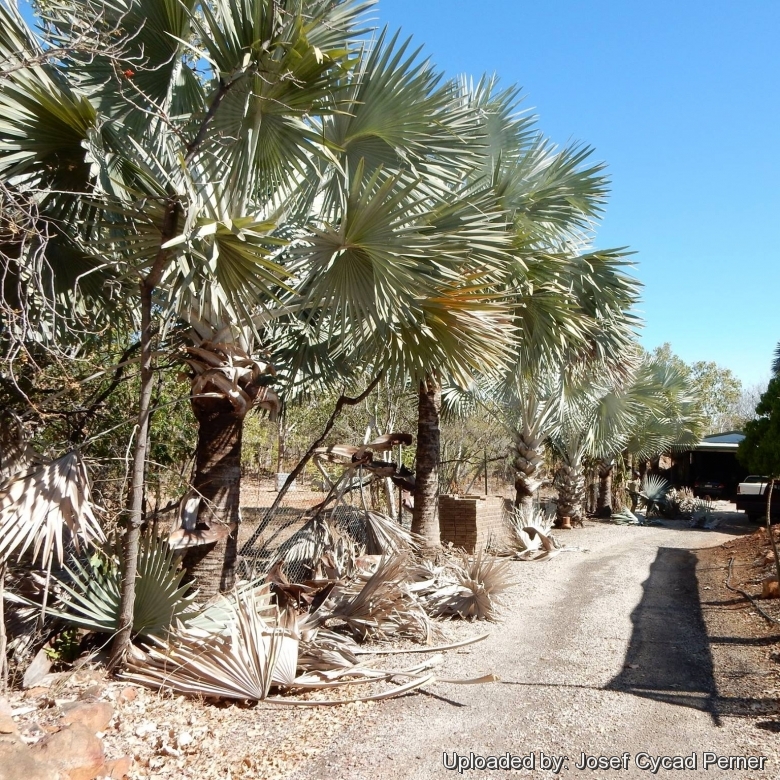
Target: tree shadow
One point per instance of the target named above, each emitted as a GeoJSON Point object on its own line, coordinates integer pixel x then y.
{"type": "Point", "coordinates": [669, 656]}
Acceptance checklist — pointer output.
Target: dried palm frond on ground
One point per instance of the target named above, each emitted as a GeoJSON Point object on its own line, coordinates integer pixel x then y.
{"type": "Point", "coordinates": [392, 593]}
{"type": "Point", "coordinates": [465, 586]}
{"type": "Point", "coordinates": [258, 653]}
{"type": "Point", "coordinates": [239, 647]}
{"type": "Point", "coordinates": [531, 538]}
{"type": "Point", "coordinates": [237, 666]}
{"type": "Point", "coordinates": [377, 605]}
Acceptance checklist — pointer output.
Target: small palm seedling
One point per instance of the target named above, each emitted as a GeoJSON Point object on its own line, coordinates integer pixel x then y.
{"type": "Point", "coordinates": [92, 591]}
{"type": "Point", "coordinates": [653, 494]}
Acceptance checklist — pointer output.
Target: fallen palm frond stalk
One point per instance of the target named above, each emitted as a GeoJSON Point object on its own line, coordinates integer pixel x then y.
{"type": "Point", "coordinates": [399, 691]}
{"type": "Point", "coordinates": [436, 649]}
{"type": "Point", "coordinates": [486, 678]}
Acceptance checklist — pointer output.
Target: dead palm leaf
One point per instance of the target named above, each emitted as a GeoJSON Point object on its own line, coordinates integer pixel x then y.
{"type": "Point", "coordinates": [236, 665]}
{"type": "Point", "coordinates": [469, 588]}
{"type": "Point", "coordinates": [37, 506]}
{"type": "Point", "coordinates": [378, 606]}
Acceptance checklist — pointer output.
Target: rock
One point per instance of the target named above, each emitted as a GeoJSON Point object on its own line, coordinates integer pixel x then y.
{"type": "Point", "coordinates": [95, 715]}
{"type": "Point", "coordinates": [128, 694]}
{"type": "Point", "coordinates": [34, 693]}
{"type": "Point", "coordinates": [75, 751]}
{"type": "Point", "coordinates": [7, 723]}
{"type": "Point", "coordinates": [18, 762]}
{"type": "Point", "coordinates": [769, 588]}
{"type": "Point", "coordinates": [38, 669]}
{"type": "Point", "coordinates": [118, 768]}
{"type": "Point", "coordinates": [91, 693]}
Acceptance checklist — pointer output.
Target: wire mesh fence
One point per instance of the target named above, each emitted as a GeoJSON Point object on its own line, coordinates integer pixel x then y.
{"type": "Point", "coordinates": [268, 535]}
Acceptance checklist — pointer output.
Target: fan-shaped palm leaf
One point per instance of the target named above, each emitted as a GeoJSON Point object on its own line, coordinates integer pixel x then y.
{"type": "Point", "coordinates": [36, 507]}
{"type": "Point", "coordinates": [92, 591]}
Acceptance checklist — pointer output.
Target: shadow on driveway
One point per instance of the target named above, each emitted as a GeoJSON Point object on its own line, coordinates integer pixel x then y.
{"type": "Point", "coordinates": [669, 657]}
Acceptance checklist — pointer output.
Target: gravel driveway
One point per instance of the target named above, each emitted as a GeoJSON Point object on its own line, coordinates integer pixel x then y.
{"type": "Point", "coordinates": [603, 651]}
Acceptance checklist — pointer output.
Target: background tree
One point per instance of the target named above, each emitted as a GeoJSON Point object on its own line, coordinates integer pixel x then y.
{"type": "Point", "coordinates": [759, 451]}
{"type": "Point", "coordinates": [718, 389]}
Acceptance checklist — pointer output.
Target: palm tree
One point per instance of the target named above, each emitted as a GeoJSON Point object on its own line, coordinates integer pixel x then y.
{"type": "Point", "coordinates": [400, 256]}
{"type": "Point", "coordinates": [569, 303]}
{"type": "Point", "coordinates": [651, 409]}
{"type": "Point", "coordinates": [163, 167]}
{"type": "Point", "coordinates": [674, 418]}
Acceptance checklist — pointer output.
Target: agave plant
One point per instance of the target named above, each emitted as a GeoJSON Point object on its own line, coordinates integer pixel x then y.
{"type": "Point", "coordinates": [92, 591]}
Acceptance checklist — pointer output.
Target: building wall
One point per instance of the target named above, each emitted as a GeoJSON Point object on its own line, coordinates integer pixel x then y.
{"type": "Point", "coordinates": [473, 522]}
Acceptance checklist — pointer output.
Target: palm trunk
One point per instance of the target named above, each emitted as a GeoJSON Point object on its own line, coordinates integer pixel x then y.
{"type": "Point", "coordinates": [571, 491]}
{"type": "Point", "coordinates": [592, 490]}
{"type": "Point", "coordinates": [527, 462]}
{"type": "Point", "coordinates": [218, 481]}
{"type": "Point", "coordinates": [425, 516]}
{"type": "Point", "coordinates": [604, 504]}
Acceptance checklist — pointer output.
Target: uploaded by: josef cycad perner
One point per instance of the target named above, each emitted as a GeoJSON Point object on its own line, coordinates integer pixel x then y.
{"type": "Point", "coordinates": [647, 762]}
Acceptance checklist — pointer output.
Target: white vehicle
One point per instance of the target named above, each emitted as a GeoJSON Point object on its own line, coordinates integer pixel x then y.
{"type": "Point", "coordinates": [752, 486]}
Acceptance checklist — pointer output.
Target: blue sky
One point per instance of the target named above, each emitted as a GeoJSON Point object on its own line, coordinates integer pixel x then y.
{"type": "Point", "coordinates": [682, 100]}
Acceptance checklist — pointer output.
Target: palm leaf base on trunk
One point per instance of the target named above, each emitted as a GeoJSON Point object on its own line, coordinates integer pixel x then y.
{"type": "Point", "coordinates": [571, 492]}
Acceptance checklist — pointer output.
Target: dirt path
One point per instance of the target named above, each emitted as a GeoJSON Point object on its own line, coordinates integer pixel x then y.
{"type": "Point", "coordinates": [603, 652]}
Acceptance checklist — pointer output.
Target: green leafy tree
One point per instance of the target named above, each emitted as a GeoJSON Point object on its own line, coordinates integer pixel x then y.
{"type": "Point", "coordinates": [717, 388]}
{"type": "Point", "coordinates": [759, 451]}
